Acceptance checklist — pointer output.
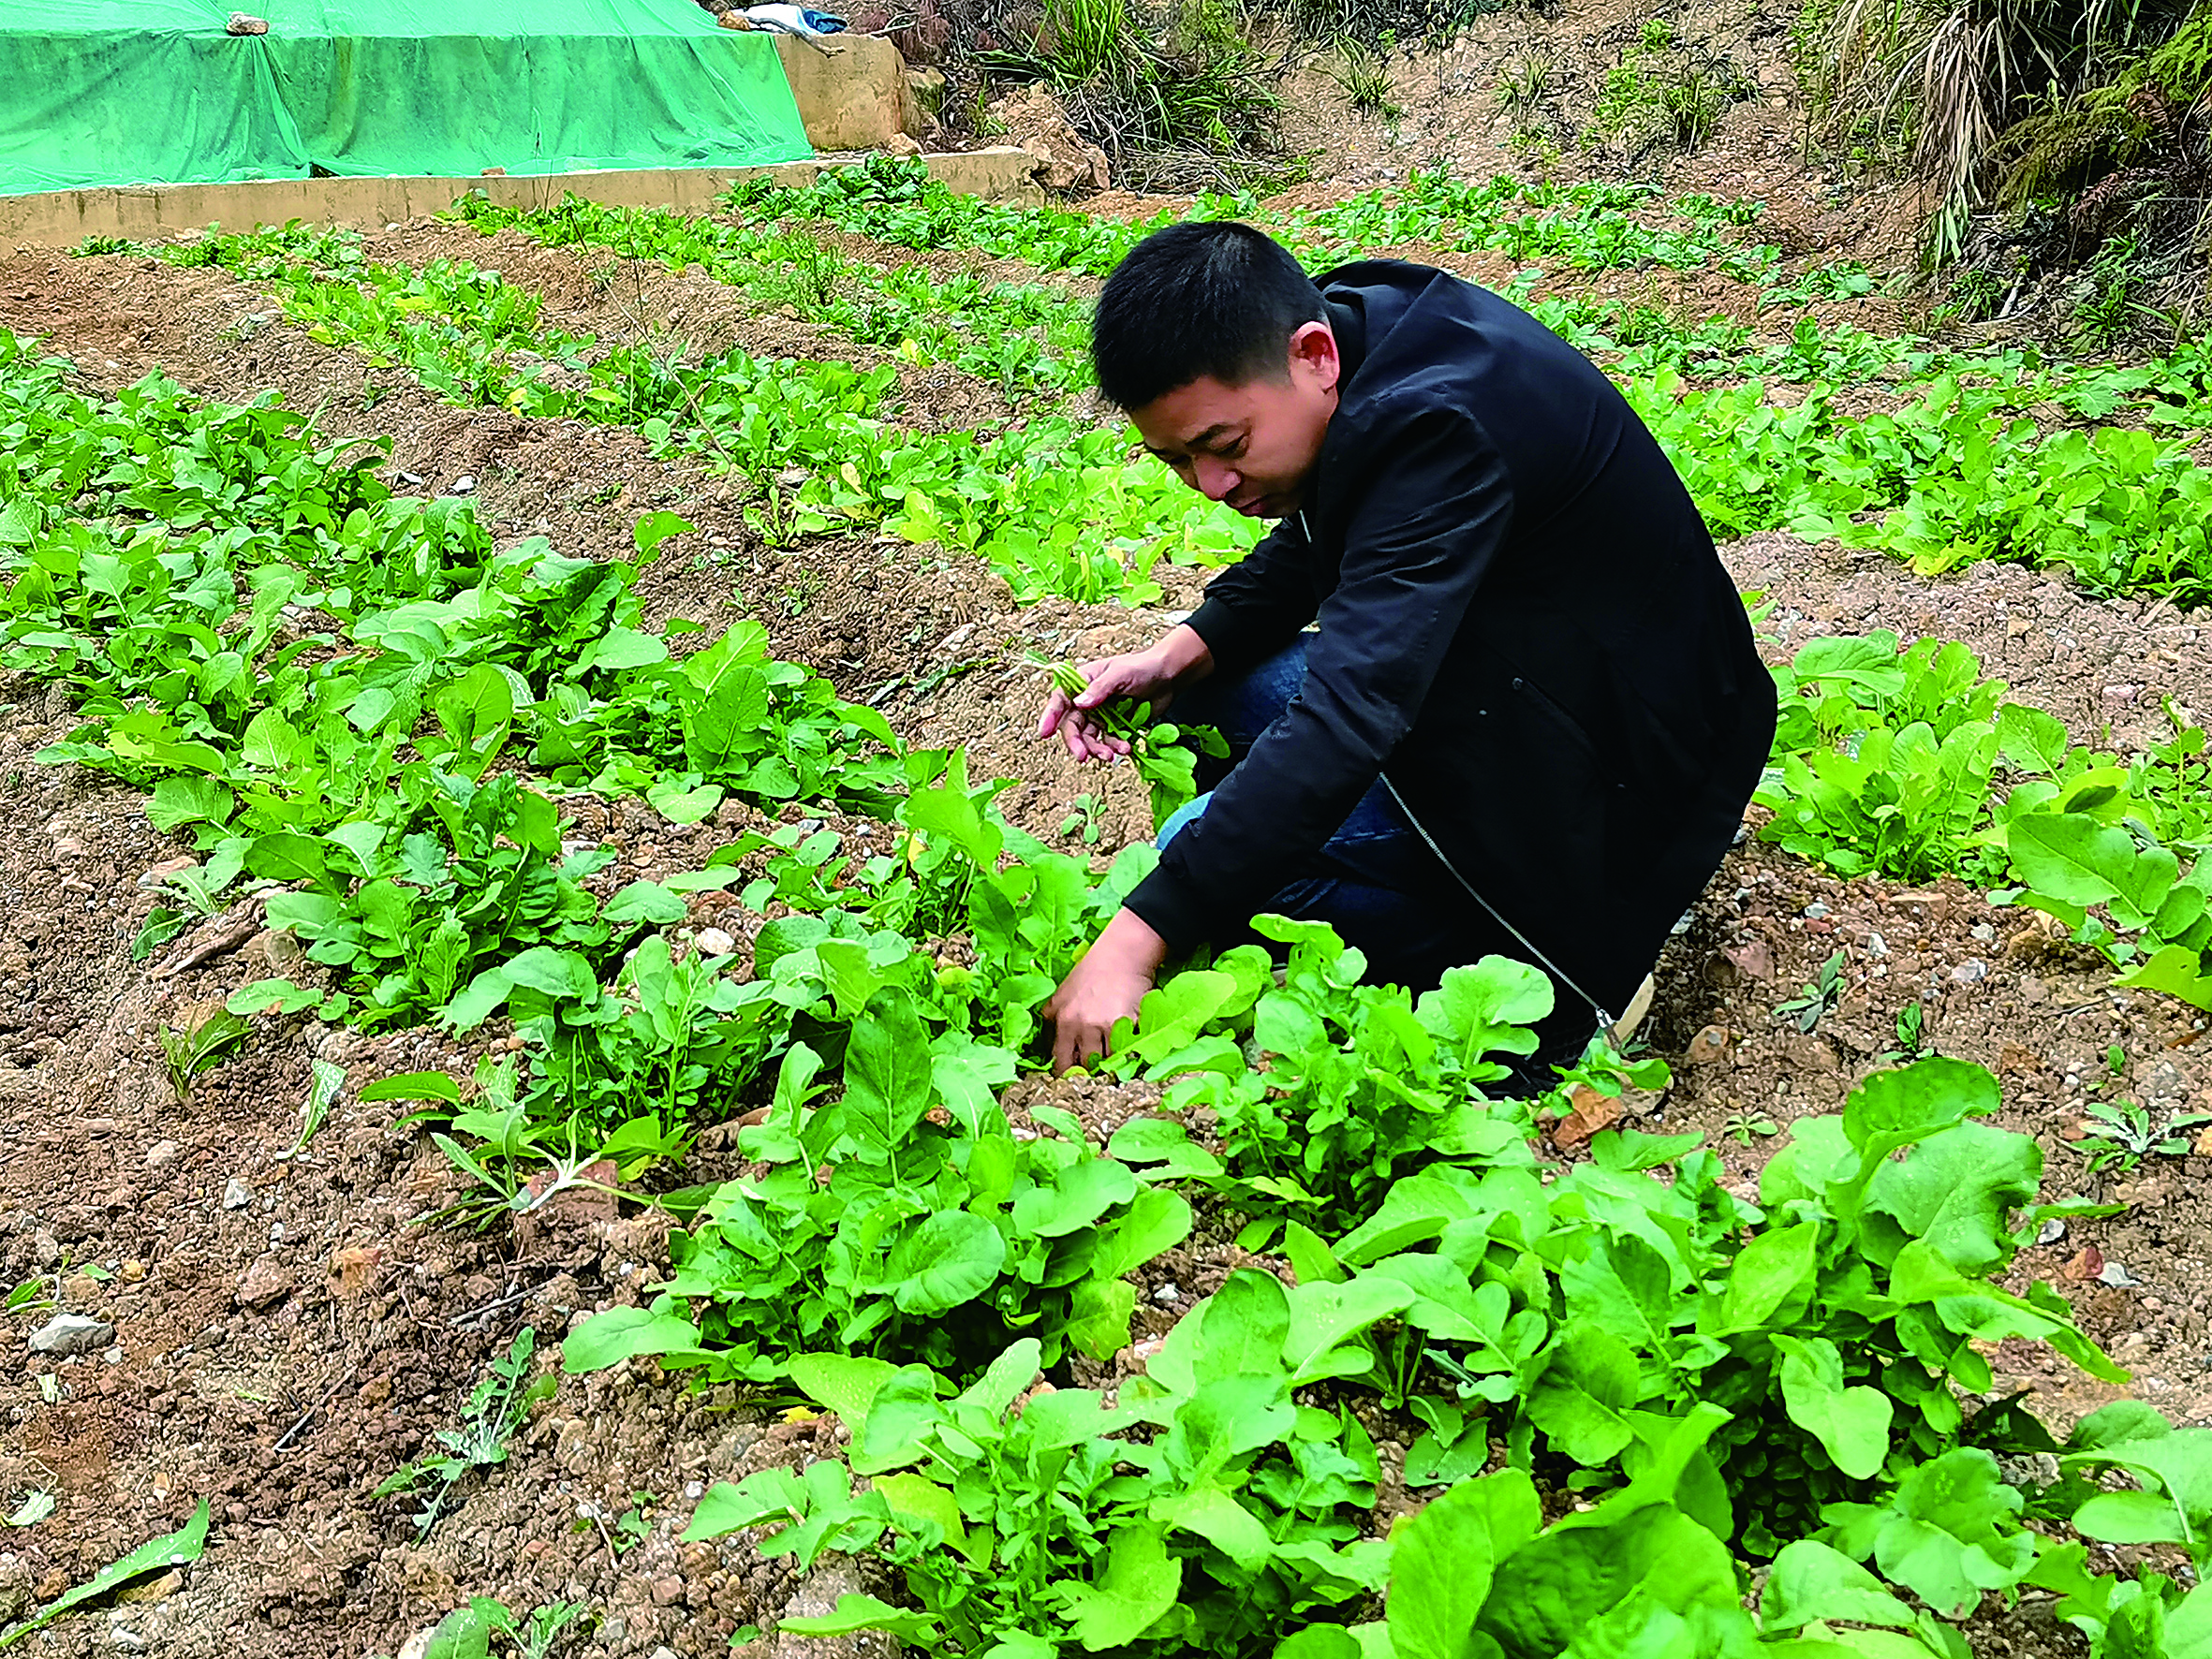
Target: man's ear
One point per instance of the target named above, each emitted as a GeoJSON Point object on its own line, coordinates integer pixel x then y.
{"type": "Point", "coordinates": [1314, 355]}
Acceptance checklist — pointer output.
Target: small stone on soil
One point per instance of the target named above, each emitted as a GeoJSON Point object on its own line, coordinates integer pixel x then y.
{"type": "Point", "coordinates": [72, 1333]}
{"type": "Point", "coordinates": [153, 1590]}
{"type": "Point", "coordinates": [2084, 1265]}
{"type": "Point", "coordinates": [1754, 959]}
{"type": "Point", "coordinates": [1709, 1045]}
{"type": "Point", "coordinates": [162, 1153]}
{"type": "Point", "coordinates": [264, 1282]}
{"type": "Point", "coordinates": [236, 1193]}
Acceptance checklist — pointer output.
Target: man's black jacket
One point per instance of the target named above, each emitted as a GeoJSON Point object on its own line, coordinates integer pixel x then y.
{"type": "Point", "coordinates": [1522, 626]}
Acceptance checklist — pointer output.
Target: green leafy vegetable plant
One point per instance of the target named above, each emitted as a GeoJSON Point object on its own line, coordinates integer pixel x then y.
{"type": "Point", "coordinates": [1479, 1571]}
{"type": "Point", "coordinates": [1950, 1533]}
{"type": "Point", "coordinates": [1889, 762]}
{"type": "Point", "coordinates": [1200, 1513]}
{"type": "Point", "coordinates": [1815, 1001]}
{"type": "Point", "coordinates": [456, 916]}
{"type": "Point", "coordinates": [2123, 1136]}
{"type": "Point", "coordinates": [496, 1407]}
{"type": "Point", "coordinates": [1833, 1322]}
{"type": "Point", "coordinates": [2170, 1503]}
{"type": "Point", "coordinates": [1744, 1125]}
{"type": "Point", "coordinates": [192, 1047]}
{"type": "Point", "coordinates": [1360, 1083]}
{"type": "Point", "coordinates": [176, 1550]}
{"type": "Point", "coordinates": [467, 1633]}
{"type": "Point", "coordinates": [906, 1219]}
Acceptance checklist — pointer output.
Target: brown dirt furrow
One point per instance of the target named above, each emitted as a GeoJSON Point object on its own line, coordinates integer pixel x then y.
{"type": "Point", "coordinates": [2106, 666]}
{"type": "Point", "coordinates": [878, 620]}
{"type": "Point", "coordinates": [291, 1329]}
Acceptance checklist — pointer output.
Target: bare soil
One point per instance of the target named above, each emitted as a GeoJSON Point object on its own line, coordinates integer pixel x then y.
{"type": "Point", "coordinates": [1457, 108]}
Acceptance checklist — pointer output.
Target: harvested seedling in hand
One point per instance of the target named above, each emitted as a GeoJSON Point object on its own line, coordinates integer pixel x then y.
{"type": "Point", "coordinates": [1158, 748]}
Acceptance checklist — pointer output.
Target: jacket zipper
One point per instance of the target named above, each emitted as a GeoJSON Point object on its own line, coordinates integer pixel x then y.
{"type": "Point", "coordinates": [1605, 1019]}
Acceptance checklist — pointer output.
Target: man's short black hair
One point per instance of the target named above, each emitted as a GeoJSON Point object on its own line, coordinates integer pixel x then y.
{"type": "Point", "coordinates": [1216, 298]}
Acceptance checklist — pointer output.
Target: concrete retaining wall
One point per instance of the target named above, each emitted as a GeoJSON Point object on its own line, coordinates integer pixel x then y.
{"type": "Point", "coordinates": [851, 89]}
{"type": "Point", "coordinates": [64, 218]}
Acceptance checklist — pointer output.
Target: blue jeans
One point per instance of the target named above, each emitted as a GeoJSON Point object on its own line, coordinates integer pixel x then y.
{"type": "Point", "coordinates": [1375, 881]}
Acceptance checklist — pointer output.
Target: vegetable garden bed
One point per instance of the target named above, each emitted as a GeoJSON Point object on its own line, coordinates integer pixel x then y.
{"type": "Point", "coordinates": [425, 933]}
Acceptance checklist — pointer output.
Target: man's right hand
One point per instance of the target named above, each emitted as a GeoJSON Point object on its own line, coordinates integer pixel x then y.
{"type": "Point", "coordinates": [1151, 675]}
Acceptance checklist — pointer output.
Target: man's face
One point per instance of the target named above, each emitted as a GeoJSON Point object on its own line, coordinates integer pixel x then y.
{"type": "Point", "coordinates": [1253, 446]}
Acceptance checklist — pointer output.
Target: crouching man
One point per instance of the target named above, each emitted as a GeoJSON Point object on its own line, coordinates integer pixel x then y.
{"type": "Point", "coordinates": [1487, 688]}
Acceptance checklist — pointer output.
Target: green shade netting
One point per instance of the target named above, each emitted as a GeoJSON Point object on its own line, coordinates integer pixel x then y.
{"type": "Point", "coordinates": [121, 92]}
{"type": "Point", "coordinates": [124, 92]}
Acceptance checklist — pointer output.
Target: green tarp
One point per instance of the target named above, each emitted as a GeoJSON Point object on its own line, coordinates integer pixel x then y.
{"type": "Point", "coordinates": [130, 92]}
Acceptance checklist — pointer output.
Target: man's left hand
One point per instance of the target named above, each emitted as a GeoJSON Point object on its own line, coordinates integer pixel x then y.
{"type": "Point", "coordinates": [1105, 986]}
